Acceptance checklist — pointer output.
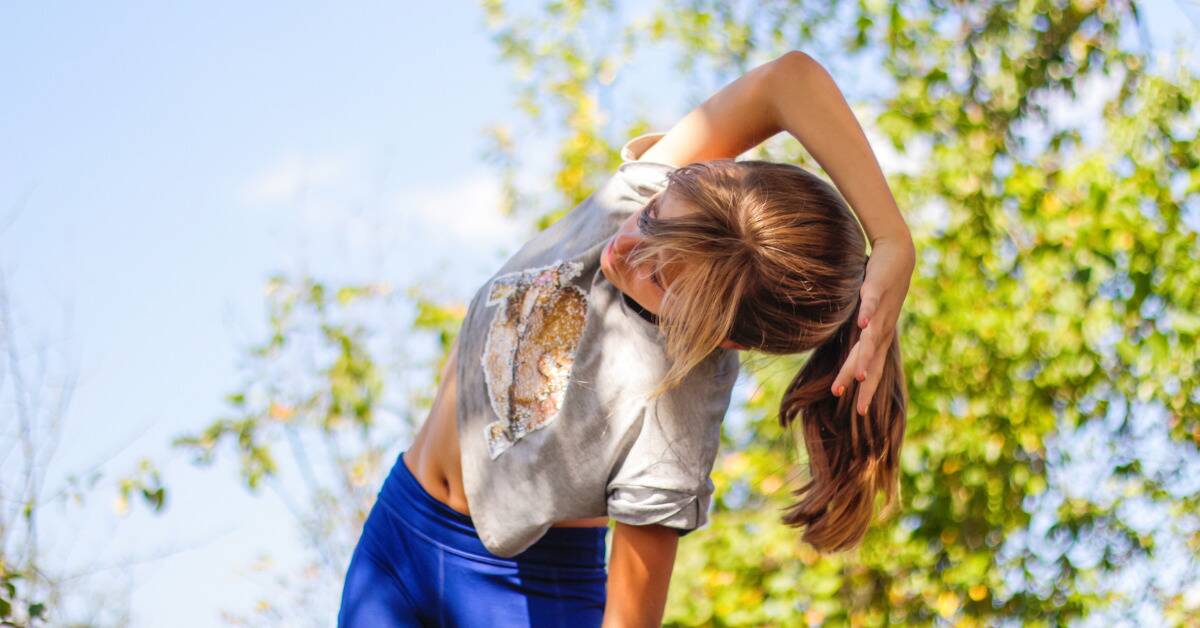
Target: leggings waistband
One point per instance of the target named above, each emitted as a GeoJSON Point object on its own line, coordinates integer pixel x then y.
{"type": "Point", "coordinates": [559, 547]}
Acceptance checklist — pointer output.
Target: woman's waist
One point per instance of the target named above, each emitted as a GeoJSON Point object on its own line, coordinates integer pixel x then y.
{"type": "Point", "coordinates": [406, 502]}
{"type": "Point", "coordinates": [437, 470]}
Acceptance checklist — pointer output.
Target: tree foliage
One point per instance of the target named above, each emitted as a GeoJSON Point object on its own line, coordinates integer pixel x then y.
{"type": "Point", "coordinates": [39, 585]}
{"type": "Point", "coordinates": [1056, 288]}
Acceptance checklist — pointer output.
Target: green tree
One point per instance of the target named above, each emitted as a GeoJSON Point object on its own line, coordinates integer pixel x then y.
{"type": "Point", "coordinates": [1056, 288]}
{"type": "Point", "coordinates": [314, 423]}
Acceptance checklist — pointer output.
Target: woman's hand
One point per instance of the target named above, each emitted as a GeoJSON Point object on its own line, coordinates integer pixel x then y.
{"type": "Point", "coordinates": [889, 273]}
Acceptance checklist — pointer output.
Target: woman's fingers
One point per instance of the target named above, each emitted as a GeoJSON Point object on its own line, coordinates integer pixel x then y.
{"type": "Point", "coordinates": [882, 294]}
{"type": "Point", "coordinates": [846, 374]}
{"type": "Point", "coordinates": [868, 341]}
{"type": "Point", "coordinates": [864, 363]}
{"type": "Point", "coordinates": [870, 302]}
{"type": "Point", "coordinates": [867, 390]}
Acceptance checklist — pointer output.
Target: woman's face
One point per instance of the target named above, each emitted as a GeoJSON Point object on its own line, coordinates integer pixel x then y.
{"type": "Point", "coordinates": [638, 282]}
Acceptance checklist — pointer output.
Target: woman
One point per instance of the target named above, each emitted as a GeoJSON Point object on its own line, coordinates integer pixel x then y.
{"type": "Point", "coordinates": [593, 371]}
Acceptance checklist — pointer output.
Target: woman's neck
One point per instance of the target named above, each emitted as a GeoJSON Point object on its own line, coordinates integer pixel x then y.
{"type": "Point", "coordinates": [637, 307]}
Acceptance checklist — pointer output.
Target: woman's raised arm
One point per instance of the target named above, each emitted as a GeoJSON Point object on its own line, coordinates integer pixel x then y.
{"type": "Point", "coordinates": [808, 104]}
{"type": "Point", "coordinates": [805, 102]}
{"type": "Point", "coordinates": [733, 120]}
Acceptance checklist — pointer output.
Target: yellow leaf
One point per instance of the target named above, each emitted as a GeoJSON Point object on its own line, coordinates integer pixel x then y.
{"type": "Point", "coordinates": [947, 603]}
{"type": "Point", "coordinates": [280, 412]}
{"type": "Point", "coordinates": [736, 463]}
{"type": "Point", "coordinates": [121, 505]}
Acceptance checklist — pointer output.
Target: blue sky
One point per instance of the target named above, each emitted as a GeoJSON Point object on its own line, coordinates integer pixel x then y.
{"type": "Point", "coordinates": [157, 164]}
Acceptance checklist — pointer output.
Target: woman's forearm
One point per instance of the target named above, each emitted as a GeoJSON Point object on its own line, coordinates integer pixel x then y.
{"type": "Point", "coordinates": [807, 103]}
{"type": "Point", "coordinates": [639, 575]}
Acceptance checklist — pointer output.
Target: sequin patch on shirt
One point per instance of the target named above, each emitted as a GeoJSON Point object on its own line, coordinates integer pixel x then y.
{"type": "Point", "coordinates": [530, 348]}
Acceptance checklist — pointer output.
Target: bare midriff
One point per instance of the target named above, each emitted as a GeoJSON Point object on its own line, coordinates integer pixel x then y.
{"type": "Point", "coordinates": [433, 456]}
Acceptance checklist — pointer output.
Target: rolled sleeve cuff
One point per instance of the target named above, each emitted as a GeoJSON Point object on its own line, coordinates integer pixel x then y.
{"type": "Point", "coordinates": [633, 149]}
{"type": "Point", "coordinates": [641, 505]}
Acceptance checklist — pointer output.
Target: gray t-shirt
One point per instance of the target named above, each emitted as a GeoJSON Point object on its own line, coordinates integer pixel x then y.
{"type": "Point", "coordinates": [553, 367]}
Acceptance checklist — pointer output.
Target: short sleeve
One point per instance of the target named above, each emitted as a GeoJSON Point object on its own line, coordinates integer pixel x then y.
{"type": "Point", "coordinates": [633, 149]}
{"type": "Point", "coordinates": [635, 182]}
{"type": "Point", "coordinates": [664, 477]}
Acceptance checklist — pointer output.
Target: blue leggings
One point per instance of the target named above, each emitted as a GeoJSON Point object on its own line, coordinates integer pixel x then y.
{"type": "Point", "coordinates": [419, 562]}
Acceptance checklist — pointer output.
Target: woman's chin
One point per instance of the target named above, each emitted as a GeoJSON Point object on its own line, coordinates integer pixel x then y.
{"type": "Point", "coordinates": [607, 270]}
{"type": "Point", "coordinates": [606, 266]}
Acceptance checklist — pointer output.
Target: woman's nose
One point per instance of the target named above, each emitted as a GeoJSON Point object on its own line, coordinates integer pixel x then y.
{"type": "Point", "coordinates": [625, 242]}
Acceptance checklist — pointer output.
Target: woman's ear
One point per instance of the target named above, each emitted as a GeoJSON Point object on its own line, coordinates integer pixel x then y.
{"type": "Point", "coordinates": [729, 344]}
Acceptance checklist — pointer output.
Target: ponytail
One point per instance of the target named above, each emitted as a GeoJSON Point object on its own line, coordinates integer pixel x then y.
{"type": "Point", "coordinates": [851, 456]}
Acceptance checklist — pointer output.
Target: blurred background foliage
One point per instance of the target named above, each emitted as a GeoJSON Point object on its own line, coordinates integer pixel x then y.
{"type": "Point", "coordinates": [1049, 336]}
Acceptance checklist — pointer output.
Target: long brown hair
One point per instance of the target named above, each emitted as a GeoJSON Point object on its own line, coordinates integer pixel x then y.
{"type": "Point", "coordinates": [772, 258]}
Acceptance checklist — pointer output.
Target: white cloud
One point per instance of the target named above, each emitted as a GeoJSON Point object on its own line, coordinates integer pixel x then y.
{"type": "Point", "coordinates": [289, 180]}
{"type": "Point", "coordinates": [466, 211]}
{"type": "Point", "coordinates": [344, 214]}
{"type": "Point", "coordinates": [328, 191]}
